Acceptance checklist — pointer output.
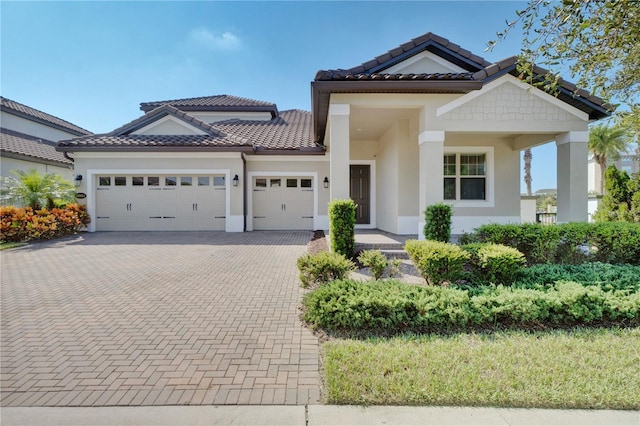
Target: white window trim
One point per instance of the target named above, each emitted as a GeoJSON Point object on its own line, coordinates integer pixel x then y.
{"type": "Point", "coordinates": [490, 173]}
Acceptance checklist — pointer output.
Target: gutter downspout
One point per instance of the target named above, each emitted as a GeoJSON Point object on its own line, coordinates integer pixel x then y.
{"type": "Point", "coordinates": [244, 192]}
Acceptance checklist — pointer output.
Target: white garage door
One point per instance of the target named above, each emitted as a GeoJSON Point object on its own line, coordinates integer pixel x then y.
{"type": "Point", "coordinates": [160, 202]}
{"type": "Point", "coordinates": [282, 203]}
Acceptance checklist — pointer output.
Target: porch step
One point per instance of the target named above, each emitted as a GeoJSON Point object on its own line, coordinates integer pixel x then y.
{"type": "Point", "coordinates": [391, 251]}
{"type": "Point", "coordinates": [395, 254]}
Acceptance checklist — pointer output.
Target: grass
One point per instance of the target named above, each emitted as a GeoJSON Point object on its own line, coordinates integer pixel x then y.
{"type": "Point", "coordinates": [6, 246]}
{"type": "Point", "coordinates": [582, 368]}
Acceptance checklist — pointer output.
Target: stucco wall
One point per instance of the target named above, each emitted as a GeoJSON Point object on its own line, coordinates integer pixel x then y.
{"type": "Point", "coordinates": [22, 125]}
{"type": "Point", "coordinates": [387, 180]}
{"type": "Point", "coordinates": [169, 126]}
{"type": "Point", "coordinates": [9, 164]}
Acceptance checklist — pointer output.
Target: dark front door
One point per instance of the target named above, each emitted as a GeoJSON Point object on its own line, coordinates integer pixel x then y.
{"type": "Point", "coordinates": [360, 192]}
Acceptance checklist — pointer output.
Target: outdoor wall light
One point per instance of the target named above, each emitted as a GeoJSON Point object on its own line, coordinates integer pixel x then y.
{"type": "Point", "coordinates": [236, 179]}
{"type": "Point", "coordinates": [78, 180]}
{"type": "Point", "coordinates": [326, 182]}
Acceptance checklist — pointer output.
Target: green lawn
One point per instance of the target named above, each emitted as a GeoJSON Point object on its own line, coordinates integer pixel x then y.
{"type": "Point", "coordinates": [5, 246]}
{"type": "Point", "coordinates": [587, 368]}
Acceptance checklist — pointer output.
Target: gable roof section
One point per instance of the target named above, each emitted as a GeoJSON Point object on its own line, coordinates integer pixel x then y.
{"type": "Point", "coordinates": [29, 148]}
{"type": "Point", "coordinates": [33, 114]}
{"type": "Point", "coordinates": [370, 77]}
{"type": "Point", "coordinates": [215, 103]}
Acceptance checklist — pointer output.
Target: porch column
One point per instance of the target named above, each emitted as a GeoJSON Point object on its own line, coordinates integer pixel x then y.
{"type": "Point", "coordinates": [572, 149]}
{"type": "Point", "coordinates": [431, 185]}
{"type": "Point", "coordinates": [339, 151]}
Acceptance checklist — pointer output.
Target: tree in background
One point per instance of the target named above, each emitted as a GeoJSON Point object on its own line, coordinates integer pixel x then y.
{"type": "Point", "coordinates": [622, 200]}
{"type": "Point", "coordinates": [607, 143]}
{"type": "Point", "coordinates": [31, 189]}
{"type": "Point", "coordinates": [527, 170]}
{"type": "Point", "coordinates": [598, 41]}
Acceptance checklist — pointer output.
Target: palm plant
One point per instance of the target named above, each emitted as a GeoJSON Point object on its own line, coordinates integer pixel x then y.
{"type": "Point", "coordinates": [35, 190]}
{"type": "Point", "coordinates": [607, 142]}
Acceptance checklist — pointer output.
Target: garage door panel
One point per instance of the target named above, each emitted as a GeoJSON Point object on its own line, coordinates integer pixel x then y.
{"type": "Point", "coordinates": [161, 203]}
{"type": "Point", "coordinates": [282, 202]}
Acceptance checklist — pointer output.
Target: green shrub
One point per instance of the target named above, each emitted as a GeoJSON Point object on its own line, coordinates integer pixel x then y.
{"type": "Point", "coordinates": [607, 276]}
{"type": "Point", "coordinates": [438, 222]}
{"type": "Point", "coordinates": [375, 261]}
{"type": "Point", "coordinates": [394, 307]}
{"type": "Point", "coordinates": [499, 263]}
{"type": "Point", "coordinates": [437, 262]}
{"type": "Point", "coordinates": [342, 221]}
{"type": "Point", "coordinates": [573, 243]}
{"type": "Point", "coordinates": [323, 267]}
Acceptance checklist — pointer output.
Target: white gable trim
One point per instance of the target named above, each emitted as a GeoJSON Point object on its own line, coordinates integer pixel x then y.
{"type": "Point", "coordinates": [169, 118]}
{"type": "Point", "coordinates": [508, 78]}
{"type": "Point", "coordinates": [424, 55]}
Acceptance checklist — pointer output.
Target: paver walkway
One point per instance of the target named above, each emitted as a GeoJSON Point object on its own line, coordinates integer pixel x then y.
{"type": "Point", "coordinates": [156, 319]}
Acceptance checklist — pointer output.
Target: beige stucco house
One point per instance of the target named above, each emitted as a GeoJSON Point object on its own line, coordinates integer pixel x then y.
{"type": "Point", "coordinates": [28, 137]}
{"type": "Point", "coordinates": [423, 123]}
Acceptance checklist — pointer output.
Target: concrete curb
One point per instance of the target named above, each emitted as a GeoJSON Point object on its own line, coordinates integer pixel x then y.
{"type": "Point", "coordinates": [310, 415]}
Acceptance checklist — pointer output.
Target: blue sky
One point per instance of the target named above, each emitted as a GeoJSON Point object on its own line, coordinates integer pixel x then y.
{"type": "Point", "coordinates": [92, 63]}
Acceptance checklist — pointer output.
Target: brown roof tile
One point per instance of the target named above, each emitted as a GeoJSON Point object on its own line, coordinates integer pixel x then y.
{"type": "Point", "coordinates": [20, 144]}
{"type": "Point", "coordinates": [212, 103]}
{"type": "Point", "coordinates": [143, 141]}
{"type": "Point", "coordinates": [37, 115]}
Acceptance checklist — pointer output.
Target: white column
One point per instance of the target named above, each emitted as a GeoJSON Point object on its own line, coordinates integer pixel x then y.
{"type": "Point", "coordinates": [339, 174]}
{"type": "Point", "coordinates": [431, 185]}
{"type": "Point", "coordinates": [572, 149]}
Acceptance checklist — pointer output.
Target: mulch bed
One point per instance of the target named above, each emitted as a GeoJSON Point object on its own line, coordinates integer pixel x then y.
{"type": "Point", "coordinates": [318, 243]}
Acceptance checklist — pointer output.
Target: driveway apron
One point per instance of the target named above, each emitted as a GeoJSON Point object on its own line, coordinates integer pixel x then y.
{"type": "Point", "coordinates": [156, 318]}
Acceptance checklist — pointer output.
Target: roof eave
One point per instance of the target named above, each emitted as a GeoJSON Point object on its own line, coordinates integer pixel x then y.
{"type": "Point", "coordinates": [156, 148]}
{"type": "Point", "coordinates": [44, 122]}
{"type": "Point", "coordinates": [34, 159]}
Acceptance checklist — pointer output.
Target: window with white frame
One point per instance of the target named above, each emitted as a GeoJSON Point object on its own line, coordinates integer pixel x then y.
{"type": "Point", "coordinates": [465, 176]}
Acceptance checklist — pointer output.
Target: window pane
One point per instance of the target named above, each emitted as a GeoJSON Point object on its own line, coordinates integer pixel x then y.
{"type": "Point", "coordinates": [292, 183]}
{"type": "Point", "coordinates": [203, 180]}
{"type": "Point", "coordinates": [449, 188]}
{"type": "Point", "coordinates": [104, 181]}
{"type": "Point", "coordinates": [185, 181]}
{"type": "Point", "coordinates": [472, 165]}
{"type": "Point", "coordinates": [450, 165]}
{"type": "Point", "coordinates": [261, 183]}
{"type": "Point", "coordinates": [153, 181]}
{"type": "Point", "coordinates": [170, 181]}
{"type": "Point", "coordinates": [137, 181]}
{"type": "Point", "coordinates": [305, 183]}
{"type": "Point", "coordinates": [274, 183]}
{"type": "Point", "coordinates": [120, 181]}
{"type": "Point", "coordinates": [472, 189]}
{"type": "Point", "coordinates": [218, 181]}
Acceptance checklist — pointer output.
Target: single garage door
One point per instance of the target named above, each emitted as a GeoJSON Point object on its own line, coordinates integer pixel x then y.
{"type": "Point", "coordinates": [160, 202]}
{"type": "Point", "coordinates": [282, 203]}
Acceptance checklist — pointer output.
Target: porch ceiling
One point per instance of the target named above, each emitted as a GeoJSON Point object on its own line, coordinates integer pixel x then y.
{"type": "Point", "coordinates": [371, 123]}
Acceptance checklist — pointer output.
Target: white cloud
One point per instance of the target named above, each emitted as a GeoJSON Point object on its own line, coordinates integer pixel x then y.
{"type": "Point", "coordinates": [213, 41]}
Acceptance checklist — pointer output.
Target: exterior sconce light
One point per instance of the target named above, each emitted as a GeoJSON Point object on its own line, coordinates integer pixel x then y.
{"type": "Point", "coordinates": [77, 180]}
{"type": "Point", "coordinates": [236, 179]}
{"type": "Point", "coordinates": [326, 182]}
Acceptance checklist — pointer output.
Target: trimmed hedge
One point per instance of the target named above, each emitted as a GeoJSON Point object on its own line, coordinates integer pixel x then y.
{"type": "Point", "coordinates": [571, 243]}
{"type": "Point", "coordinates": [21, 224]}
{"type": "Point", "coordinates": [394, 307]}
{"type": "Point", "coordinates": [437, 262]}
{"type": "Point", "coordinates": [437, 218]}
{"type": "Point", "coordinates": [342, 222]}
{"type": "Point", "coordinates": [607, 276]}
{"type": "Point", "coordinates": [323, 267]}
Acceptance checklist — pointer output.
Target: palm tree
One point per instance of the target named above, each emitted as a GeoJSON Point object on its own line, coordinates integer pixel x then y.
{"type": "Point", "coordinates": [527, 169]}
{"type": "Point", "coordinates": [607, 142]}
{"type": "Point", "coordinates": [35, 190]}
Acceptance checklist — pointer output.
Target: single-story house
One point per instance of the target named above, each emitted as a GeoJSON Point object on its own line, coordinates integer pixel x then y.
{"type": "Point", "coordinates": [28, 140]}
{"type": "Point", "coordinates": [426, 122]}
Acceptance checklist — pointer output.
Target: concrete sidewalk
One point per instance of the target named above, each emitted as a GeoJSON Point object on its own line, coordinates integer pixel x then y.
{"type": "Point", "coordinates": [311, 415]}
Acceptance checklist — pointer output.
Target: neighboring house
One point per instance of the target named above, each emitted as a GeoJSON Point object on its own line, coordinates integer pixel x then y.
{"type": "Point", "coordinates": [630, 163]}
{"type": "Point", "coordinates": [28, 138]}
{"type": "Point", "coordinates": [423, 123]}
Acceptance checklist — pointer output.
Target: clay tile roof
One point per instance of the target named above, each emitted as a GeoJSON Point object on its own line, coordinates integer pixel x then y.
{"type": "Point", "coordinates": [149, 141]}
{"type": "Point", "coordinates": [292, 130]}
{"type": "Point", "coordinates": [213, 103]}
{"type": "Point", "coordinates": [36, 115]}
{"type": "Point", "coordinates": [419, 44]}
{"type": "Point", "coordinates": [18, 144]}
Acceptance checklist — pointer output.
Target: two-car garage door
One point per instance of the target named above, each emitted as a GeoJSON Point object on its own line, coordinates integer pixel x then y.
{"type": "Point", "coordinates": [160, 202]}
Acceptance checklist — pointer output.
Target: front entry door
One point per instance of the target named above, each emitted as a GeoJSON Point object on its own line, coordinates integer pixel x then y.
{"type": "Point", "coordinates": [360, 192]}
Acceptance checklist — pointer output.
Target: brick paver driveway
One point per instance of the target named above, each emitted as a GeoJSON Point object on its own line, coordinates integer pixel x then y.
{"type": "Point", "coordinates": [156, 319]}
